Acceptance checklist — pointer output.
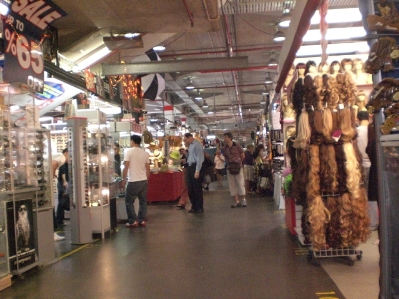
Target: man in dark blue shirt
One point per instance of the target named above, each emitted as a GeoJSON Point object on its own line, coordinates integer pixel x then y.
{"type": "Point", "coordinates": [62, 187]}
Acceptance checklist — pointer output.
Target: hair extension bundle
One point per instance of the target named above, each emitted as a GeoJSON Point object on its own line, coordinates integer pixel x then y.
{"type": "Point", "coordinates": [345, 125]}
{"type": "Point", "coordinates": [327, 125]}
{"type": "Point", "coordinates": [333, 232]}
{"type": "Point", "coordinates": [316, 127]}
{"type": "Point", "coordinates": [300, 177]}
{"type": "Point", "coordinates": [303, 132]}
{"type": "Point", "coordinates": [328, 169]}
{"type": "Point", "coordinates": [292, 153]}
{"type": "Point", "coordinates": [313, 186]}
{"type": "Point", "coordinates": [341, 172]}
{"type": "Point", "coordinates": [297, 96]}
{"type": "Point", "coordinates": [332, 95]}
{"type": "Point", "coordinates": [352, 168]}
{"type": "Point", "coordinates": [359, 159]}
{"type": "Point", "coordinates": [310, 94]}
{"type": "Point", "coordinates": [318, 215]}
{"type": "Point", "coordinates": [351, 90]}
{"type": "Point", "coordinates": [345, 214]}
{"type": "Point", "coordinates": [362, 228]}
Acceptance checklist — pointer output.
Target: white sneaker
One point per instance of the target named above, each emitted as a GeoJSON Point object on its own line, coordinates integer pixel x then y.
{"type": "Point", "coordinates": [58, 237]}
{"type": "Point", "coordinates": [243, 203]}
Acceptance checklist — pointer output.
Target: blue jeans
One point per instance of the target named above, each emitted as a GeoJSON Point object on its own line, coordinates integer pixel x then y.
{"type": "Point", "coordinates": [133, 190]}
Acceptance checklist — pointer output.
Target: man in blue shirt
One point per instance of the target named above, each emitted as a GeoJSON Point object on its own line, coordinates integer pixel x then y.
{"type": "Point", "coordinates": [194, 174]}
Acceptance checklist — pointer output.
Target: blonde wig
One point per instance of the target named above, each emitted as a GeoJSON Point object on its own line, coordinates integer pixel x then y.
{"type": "Point", "coordinates": [303, 131]}
{"type": "Point", "coordinates": [345, 213]}
{"type": "Point", "coordinates": [346, 124]}
{"type": "Point", "coordinates": [352, 168]}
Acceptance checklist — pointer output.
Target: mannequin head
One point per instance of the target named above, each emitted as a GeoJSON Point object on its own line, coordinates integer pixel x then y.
{"type": "Point", "coordinates": [358, 65]}
{"type": "Point", "coordinates": [301, 67]}
{"type": "Point", "coordinates": [346, 64]}
{"type": "Point", "coordinates": [335, 67]}
{"type": "Point", "coordinates": [323, 68]}
{"type": "Point", "coordinates": [310, 67]}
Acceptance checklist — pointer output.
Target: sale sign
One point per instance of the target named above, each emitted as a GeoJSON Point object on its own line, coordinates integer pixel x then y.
{"type": "Point", "coordinates": [23, 34]}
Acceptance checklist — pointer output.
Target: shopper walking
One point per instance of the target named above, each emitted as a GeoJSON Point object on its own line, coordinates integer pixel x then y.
{"type": "Point", "coordinates": [184, 193]}
{"type": "Point", "coordinates": [194, 174]}
{"type": "Point", "coordinates": [62, 187]}
{"type": "Point", "coordinates": [249, 168]}
{"type": "Point", "coordinates": [220, 167]}
{"type": "Point", "coordinates": [57, 160]}
{"type": "Point", "coordinates": [137, 165]}
{"type": "Point", "coordinates": [234, 156]}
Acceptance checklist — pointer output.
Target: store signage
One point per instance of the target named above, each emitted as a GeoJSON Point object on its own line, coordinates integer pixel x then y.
{"type": "Point", "coordinates": [51, 91]}
{"type": "Point", "coordinates": [23, 36]}
{"type": "Point", "coordinates": [90, 80]}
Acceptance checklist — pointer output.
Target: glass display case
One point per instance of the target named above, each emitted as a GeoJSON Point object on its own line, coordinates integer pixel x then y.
{"type": "Point", "coordinates": [25, 188]}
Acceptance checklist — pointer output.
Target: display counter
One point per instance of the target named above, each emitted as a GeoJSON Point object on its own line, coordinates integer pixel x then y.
{"type": "Point", "coordinates": [165, 186]}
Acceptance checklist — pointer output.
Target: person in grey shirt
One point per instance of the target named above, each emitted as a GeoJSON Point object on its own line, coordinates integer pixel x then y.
{"type": "Point", "coordinates": [194, 174]}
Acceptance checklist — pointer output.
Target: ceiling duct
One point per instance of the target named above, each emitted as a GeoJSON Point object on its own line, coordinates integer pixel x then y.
{"type": "Point", "coordinates": [117, 42]}
{"type": "Point", "coordinates": [255, 6]}
{"type": "Point", "coordinates": [234, 7]}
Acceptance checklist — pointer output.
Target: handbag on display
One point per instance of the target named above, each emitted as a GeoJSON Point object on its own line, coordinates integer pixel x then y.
{"type": "Point", "coordinates": [234, 167]}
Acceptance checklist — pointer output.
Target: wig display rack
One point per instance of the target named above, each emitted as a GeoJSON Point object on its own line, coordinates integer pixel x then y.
{"type": "Point", "coordinates": [344, 253]}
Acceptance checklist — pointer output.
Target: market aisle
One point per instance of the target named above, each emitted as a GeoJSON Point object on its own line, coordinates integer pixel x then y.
{"type": "Point", "coordinates": [223, 253]}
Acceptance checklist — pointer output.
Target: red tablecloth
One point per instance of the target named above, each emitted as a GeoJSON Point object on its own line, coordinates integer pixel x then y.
{"type": "Point", "coordinates": [165, 186]}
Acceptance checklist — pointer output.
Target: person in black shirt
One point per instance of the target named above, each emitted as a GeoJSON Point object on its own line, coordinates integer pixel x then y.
{"type": "Point", "coordinates": [62, 187]}
{"type": "Point", "coordinates": [117, 159]}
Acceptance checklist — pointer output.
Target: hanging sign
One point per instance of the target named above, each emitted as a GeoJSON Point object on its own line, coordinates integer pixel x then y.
{"type": "Point", "coordinates": [23, 36]}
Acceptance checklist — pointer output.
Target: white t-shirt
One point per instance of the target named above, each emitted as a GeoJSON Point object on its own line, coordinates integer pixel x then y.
{"type": "Point", "coordinates": [362, 144]}
{"type": "Point", "coordinates": [219, 162]}
{"type": "Point", "coordinates": [60, 158]}
{"type": "Point", "coordinates": [138, 159]}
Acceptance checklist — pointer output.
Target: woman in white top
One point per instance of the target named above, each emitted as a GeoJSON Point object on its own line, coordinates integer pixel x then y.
{"type": "Point", "coordinates": [219, 167]}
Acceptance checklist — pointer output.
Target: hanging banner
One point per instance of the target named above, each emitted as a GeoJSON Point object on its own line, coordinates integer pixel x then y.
{"type": "Point", "coordinates": [23, 35]}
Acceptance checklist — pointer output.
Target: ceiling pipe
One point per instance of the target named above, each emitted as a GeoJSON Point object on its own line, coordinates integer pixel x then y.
{"type": "Point", "coordinates": [234, 73]}
{"type": "Point", "coordinates": [272, 47]}
{"type": "Point", "coordinates": [301, 29]}
{"type": "Point", "coordinates": [190, 14]}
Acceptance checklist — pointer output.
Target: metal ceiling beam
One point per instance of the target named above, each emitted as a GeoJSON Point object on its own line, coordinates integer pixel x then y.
{"type": "Point", "coordinates": [186, 65]}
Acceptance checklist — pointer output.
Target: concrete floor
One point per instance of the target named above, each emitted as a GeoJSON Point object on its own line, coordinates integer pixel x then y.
{"type": "Point", "coordinates": [222, 253]}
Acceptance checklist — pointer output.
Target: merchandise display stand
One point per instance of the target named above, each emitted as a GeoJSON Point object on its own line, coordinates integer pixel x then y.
{"type": "Point", "coordinates": [101, 171]}
{"type": "Point", "coordinates": [81, 231]}
{"type": "Point", "coordinates": [344, 253]}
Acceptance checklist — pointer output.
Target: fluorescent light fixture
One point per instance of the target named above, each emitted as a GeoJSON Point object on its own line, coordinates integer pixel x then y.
{"type": "Point", "coordinates": [272, 62]}
{"type": "Point", "coordinates": [210, 112]}
{"type": "Point", "coordinates": [14, 107]}
{"type": "Point", "coordinates": [131, 35]}
{"type": "Point", "coordinates": [342, 48]}
{"type": "Point", "coordinates": [285, 19]}
{"type": "Point", "coordinates": [93, 57]}
{"type": "Point", "coordinates": [268, 79]}
{"type": "Point", "coordinates": [159, 48]}
{"type": "Point", "coordinates": [279, 36]}
{"type": "Point", "coordinates": [3, 9]}
{"type": "Point", "coordinates": [198, 96]}
{"type": "Point", "coordinates": [335, 34]}
{"type": "Point", "coordinates": [190, 86]}
{"type": "Point", "coordinates": [262, 102]}
{"type": "Point", "coordinates": [341, 15]}
{"type": "Point", "coordinates": [205, 105]}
